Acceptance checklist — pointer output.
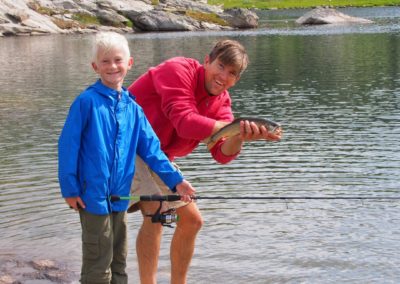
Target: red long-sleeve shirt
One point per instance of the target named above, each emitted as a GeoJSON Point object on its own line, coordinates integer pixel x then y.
{"type": "Point", "coordinates": [179, 108]}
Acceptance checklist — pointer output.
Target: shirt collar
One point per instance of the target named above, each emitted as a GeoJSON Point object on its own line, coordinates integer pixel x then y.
{"type": "Point", "coordinates": [107, 91]}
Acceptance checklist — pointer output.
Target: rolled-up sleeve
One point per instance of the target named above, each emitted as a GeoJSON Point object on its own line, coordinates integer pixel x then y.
{"type": "Point", "coordinates": [219, 156]}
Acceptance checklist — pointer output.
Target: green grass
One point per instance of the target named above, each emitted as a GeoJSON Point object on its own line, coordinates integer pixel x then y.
{"type": "Point", "coordinates": [208, 17]}
{"type": "Point", "coordinates": [287, 4]}
{"type": "Point", "coordinates": [86, 19]}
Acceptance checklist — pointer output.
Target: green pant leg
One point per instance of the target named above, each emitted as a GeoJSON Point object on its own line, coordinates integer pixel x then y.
{"type": "Point", "coordinates": [118, 264]}
{"type": "Point", "coordinates": [97, 248]}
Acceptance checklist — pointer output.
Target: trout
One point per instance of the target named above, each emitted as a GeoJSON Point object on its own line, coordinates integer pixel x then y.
{"type": "Point", "coordinates": [233, 128]}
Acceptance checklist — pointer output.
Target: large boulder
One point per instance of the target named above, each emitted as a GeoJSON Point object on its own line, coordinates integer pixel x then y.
{"type": "Point", "coordinates": [18, 19]}
{"type": "Point", "coordinates": [111, 18]}
{"type": "Point", "coordinates": [240, 18]}
{"type": "Point", "coordinates": [162, 21]}
{"type": "Point", "coordinates": [320, 16]}
{"type": "Point", "coordinates": [124, 6]}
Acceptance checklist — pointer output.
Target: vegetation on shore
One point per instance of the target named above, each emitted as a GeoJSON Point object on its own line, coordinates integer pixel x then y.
{"type": "Point", "coordinates": [288, 4]}
{"type": "Point", "coordinates": [208, 17]}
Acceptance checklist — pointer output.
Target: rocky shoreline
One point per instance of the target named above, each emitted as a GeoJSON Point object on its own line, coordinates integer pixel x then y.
{"type": "Point", "coordinates": [14, 270]}
{"type": "Point", "coordinates": [42, 17]}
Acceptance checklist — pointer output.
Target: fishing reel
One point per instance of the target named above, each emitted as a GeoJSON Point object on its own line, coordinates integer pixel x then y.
{"type": "Point", "coordinates": [165, 218]}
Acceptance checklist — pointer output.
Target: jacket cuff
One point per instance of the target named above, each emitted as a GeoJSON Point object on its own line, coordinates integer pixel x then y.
{"type": "Point", "coordinates": [219, 156]}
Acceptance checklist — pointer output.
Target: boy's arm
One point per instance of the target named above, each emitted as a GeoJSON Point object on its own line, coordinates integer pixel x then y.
{"type": "Point", "coordinates": [149, 150]}
{"type": "Point", "coordinates": [68, 151]}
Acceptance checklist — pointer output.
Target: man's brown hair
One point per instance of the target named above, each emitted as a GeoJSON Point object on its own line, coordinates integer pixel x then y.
{"type": "Point", "coordinates": [232, 53]}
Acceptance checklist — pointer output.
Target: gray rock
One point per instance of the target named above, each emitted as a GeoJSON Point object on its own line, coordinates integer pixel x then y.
{"type": "Point", "coordinates": [185, 5]}
{"type": "Point", "coordinates": [28, 17]}
{"type": "Point", "coordinates": [111, 18]}
{"type": "Point", "coordinates": [3, 19]}
{"type": "Point", "coordinates": [240, 18]}
{"type": "Point", "coordinates": [15, 29]}
{"type": "Point", "coordinates": [15, 270]}
{"type": "Point", "coordinates": [320, 16]}
{"type": "Point", "coordinates": [42, 264]}
{"type": "Point", "coordinates": [17, 16]}
{"type": "Point", "coordinates": [213, 27]}
{"type": "Point", "coordinates": [7, 279]}
{"type": "Point", "coordinates": [126, 5]}
{"type": "Point", "coordinates": [163, 21]}
{"type": "Point", "coordinates": [66, 4]}
{"type": "Point", "coordinates": [23, 20]}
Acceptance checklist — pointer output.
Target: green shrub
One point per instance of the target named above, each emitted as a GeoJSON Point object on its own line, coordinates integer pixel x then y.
{"type": "Point", "coordinates": [86, 19]}
{"type": "Point", "coordinates": [206, 17]}
{"type": "Point", "coordinates": [129, 24]}
{"type": "Point", "coordinates": [35, 6]}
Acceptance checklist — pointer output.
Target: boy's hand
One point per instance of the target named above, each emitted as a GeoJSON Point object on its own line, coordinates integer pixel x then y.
{"type": "Point", "coordinates": [75, 203]}
{"type": "Point", "coordinates": [185, 190]}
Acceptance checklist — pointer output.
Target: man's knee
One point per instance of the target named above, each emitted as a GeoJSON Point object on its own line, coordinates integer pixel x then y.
{"type": "Point", "coordinates": [190, 219]}
{"type": "Point", "coordinates": [197, 222]}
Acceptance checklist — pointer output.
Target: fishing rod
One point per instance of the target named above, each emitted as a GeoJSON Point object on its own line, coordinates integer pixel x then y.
{"type": "Point", "coordinates": [168, 217]}
{"type": "Point", "coordinates": [196, 197]}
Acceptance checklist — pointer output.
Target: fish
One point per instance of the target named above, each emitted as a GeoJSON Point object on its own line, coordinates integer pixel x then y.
{"type": "Point", "coordinates": [233, 128]}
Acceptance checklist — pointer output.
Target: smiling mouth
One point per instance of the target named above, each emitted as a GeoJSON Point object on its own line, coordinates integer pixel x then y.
{"type": "Point", "coordinates": [218, 83]}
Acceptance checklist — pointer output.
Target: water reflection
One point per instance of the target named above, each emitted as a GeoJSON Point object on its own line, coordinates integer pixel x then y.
{"type": "Point", "coordinates": [334, 89]}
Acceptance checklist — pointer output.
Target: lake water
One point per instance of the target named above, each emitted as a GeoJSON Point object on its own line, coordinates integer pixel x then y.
{"type": "Point", "coordinates": [335, 90]}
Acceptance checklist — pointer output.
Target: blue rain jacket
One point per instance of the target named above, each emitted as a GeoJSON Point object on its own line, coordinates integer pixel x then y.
{"type": "Point", "coordinates": [103, 132]}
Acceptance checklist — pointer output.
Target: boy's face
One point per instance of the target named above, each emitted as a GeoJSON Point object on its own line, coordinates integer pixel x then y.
{"type": "Point", "coordinates": [218, 76]}
{"type": "Point", "coordinates": [112, 67]}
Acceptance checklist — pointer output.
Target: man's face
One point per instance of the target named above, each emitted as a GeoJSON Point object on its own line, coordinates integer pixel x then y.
{"type": "Point", "coordinates": [218, 76]}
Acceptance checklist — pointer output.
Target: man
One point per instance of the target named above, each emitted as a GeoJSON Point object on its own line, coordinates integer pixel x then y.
{"type": "Point", "coordinates": [186, 102]}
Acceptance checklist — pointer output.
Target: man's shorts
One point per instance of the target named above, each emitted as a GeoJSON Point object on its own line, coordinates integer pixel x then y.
{"type": "Point", "coordinates": [146, 182]}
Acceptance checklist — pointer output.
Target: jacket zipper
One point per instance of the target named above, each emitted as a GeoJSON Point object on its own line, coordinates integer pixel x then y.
{"type": "Point", "coordinates": [114, 166]}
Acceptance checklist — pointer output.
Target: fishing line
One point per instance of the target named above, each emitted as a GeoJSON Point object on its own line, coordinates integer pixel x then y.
{"type": "Point", "coordinates": [177, 197]}
{"type": "Point", "coordinates": [168, 217]}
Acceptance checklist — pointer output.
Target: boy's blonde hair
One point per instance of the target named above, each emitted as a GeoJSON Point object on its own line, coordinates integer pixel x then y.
{"type": "Point", "coordinates": [105, 41]}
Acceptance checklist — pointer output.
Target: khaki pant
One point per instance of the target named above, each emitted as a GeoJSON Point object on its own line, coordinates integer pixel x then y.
{"type": "Point", "coordinates": [147, 182]}
{"type": "Point", "coordinates": [104, 248]}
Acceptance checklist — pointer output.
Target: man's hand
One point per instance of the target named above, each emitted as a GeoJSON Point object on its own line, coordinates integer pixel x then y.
{"type": "Point", "coordinates": [185, 190]}
{"type": "Point", "coordinates": [249, 131]}
{"type": "Point", "coordinates": [75, 203]}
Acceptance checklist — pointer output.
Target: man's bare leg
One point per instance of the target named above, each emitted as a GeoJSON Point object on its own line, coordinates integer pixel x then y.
{"type": "Point", "coordinates": [183, 241]}
{"type": "Point", "coordinates": [148, 244]}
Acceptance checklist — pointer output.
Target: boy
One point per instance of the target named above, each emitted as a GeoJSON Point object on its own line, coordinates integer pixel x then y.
{"type": "Point", "coordinates": [104, 131]}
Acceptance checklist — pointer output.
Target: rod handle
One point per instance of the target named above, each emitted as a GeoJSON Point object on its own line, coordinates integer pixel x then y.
{"type": "Point", "coordinates": [171, 197]}
{"type": "Point", "coordinates": [160, 198]}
